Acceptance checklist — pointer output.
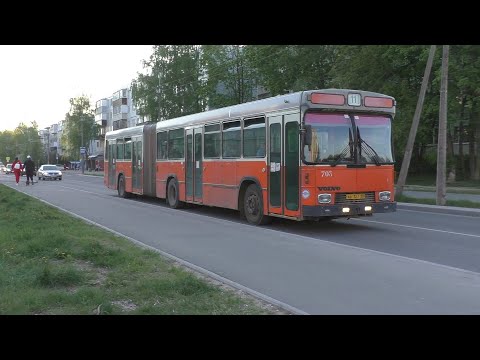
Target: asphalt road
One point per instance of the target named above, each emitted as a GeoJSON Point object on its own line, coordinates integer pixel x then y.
{"type": "Point", "coordinates": [408, 262]}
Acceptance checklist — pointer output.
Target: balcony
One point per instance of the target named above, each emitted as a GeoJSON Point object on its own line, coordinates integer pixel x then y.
{"type": "Point", "coordinates": [120, 116]}
{"type": "Point", "coordinates": [101, 123]}
{"type": "Point", "coordinates": [102, 132]}
{"type": "Point", "coordinates": [120, 124]}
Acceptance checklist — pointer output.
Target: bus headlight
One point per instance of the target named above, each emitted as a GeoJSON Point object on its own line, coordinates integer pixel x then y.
{"type": "Point", "coordinates": [384, 195]}
{"type": "Point", "coordinates": [324, 199]}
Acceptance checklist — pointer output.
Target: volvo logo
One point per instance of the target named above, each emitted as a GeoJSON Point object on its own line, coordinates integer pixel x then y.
{"type": "Point", "coordinates": [328, 188]}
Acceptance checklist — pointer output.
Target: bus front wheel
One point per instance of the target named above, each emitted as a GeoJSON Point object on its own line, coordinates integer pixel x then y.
{"type": "Point", "coordinates": [173, 195]}
{"type": "Point", "coordinates": [253, 206]}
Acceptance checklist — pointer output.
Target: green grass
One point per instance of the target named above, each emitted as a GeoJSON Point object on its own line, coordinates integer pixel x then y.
{"type": "Point", "coordinates": [431, 180]}
{"type": "Point", "coordinates": [459, 203]}
{"type": "Point", "coordinates": [52, 263]}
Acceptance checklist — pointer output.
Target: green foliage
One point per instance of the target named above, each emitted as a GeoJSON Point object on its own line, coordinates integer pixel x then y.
{"type": "Point", "coordinates": [230, 77]}
{"type": "Point", "coordinates": [22, 141]}
{"type": "Point", "coordinates": [79, 127]}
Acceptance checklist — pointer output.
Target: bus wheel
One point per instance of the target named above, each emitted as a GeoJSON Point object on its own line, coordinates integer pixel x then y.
{"type": "Point", "coordinates": [253, 206]}
{"type": "Point", "coordinates": [173, 195]}
{"type": "Point", "coordinates": [121, 188]}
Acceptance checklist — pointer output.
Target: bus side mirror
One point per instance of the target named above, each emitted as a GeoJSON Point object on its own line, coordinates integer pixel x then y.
{"type": "Point", "coordinates": [308, 135]}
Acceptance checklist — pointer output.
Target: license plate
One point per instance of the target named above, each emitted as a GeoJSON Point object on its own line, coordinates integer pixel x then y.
{"type": "Point", "coordinates": [355, 196]}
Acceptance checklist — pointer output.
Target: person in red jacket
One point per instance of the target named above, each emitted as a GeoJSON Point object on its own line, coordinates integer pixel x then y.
{"type": "Point", "coordinates": [17, 169]}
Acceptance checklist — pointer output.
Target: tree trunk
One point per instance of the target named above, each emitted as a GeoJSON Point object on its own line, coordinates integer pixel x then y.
{"type": "Point", "coordinates": [471, 150]}
{"type": "Point", "coordinates": [451, 157]}
{"type": "Point", "coordinates": [476, 173]}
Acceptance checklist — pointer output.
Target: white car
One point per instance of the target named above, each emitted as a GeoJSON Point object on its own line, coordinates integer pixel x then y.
{"type": "Point", "coordinates": [49, 172]}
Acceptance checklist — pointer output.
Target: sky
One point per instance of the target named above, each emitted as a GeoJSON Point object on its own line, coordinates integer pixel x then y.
{"type": "Point", "coordinates": [37, 81]}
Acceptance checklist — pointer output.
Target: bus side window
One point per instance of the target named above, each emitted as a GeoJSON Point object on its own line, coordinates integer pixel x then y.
{"type": "Point", "coordinates": [128, 149]}
{"type": "Point", "coordinates": [162, 142]}
{"type": "Point", "coordinates": [231, 139]}
{"type": "Point", "coordinates": [212, 141]}
{"type": "Point", "coordinates": [254, 137]}
{"type": "Point", "coordinates": [176, 144]}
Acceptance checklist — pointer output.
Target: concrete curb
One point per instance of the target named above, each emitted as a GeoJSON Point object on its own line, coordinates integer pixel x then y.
{"type": "Point", "coordinates": [439, 209]}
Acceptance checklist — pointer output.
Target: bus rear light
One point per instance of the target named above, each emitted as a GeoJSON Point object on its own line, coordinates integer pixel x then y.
{"type": "Point", "coordinates": [380, 102]}
{"type": "Point", "coordinates": [327, 99]}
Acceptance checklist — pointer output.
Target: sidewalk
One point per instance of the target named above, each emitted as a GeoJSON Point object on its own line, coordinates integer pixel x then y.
{"type": "Point", "coordinates": [453, 193]}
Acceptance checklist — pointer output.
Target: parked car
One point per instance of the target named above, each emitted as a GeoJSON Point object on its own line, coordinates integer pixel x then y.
{"type": "Point", "coordinates": [48, 171]}
{"type": "Point", "coordinates": [8, 169]}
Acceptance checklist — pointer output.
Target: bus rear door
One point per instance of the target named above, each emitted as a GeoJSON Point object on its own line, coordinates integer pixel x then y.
{"type": "Point", "coordinates": [194, 165]}
{"type": "Point", "coordinates": [137, 180]}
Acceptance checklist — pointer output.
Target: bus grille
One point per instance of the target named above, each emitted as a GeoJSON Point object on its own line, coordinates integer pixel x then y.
{"type": "Point", "coordinates": [340, 198]}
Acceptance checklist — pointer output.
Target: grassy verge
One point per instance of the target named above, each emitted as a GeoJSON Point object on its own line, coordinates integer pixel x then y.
{"type": "Point", "coordinates": [459, 203]}
{"type": "Point", "coordinates": [430, 180]}
{"type": "Point", "coordinates": [52, 263]}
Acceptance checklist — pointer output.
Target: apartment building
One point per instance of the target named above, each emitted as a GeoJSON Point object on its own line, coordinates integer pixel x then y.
{"type": "Point", "coordinates": [112, 113]}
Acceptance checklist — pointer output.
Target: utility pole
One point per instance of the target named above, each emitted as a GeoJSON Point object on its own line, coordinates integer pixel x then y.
{"type": "Point", "coordinates": [442, 132]}
{"type": "Point", "coordinates": [83, 154]}
{"type": "Point", "coordinates": [402, 178]}
{"type": "Point", "coordinates": [48, 144]}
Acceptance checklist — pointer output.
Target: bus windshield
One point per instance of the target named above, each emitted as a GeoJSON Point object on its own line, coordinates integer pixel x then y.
{"type": "Point", "coordinates": [374, 133]}
{"type": "Point", "coordinates": [333, 138]}
{"type": "Point", "coordinates": [332, 135]}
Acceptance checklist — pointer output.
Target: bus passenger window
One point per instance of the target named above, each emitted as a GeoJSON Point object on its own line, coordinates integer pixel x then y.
{"type": "Point", "coordinates": [231, 139]}
{"type": "Point", "coordinates": [212, 141]}
{"type": "Point", "coordinates": [176, 144]}
{"type": "Point", "coordinates": [162, 141]}
{"type": "Point", "coordinates": [254, 137]}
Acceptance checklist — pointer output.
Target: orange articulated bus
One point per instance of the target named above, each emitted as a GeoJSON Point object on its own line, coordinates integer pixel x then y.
{"type": "Point", "coordinates": [309, 155]}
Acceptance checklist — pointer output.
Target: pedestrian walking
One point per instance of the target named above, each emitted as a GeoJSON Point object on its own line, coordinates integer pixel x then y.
{"type": "Point", "coordinates": [17, 169]}
{"type": "Point", "coordinates": [29, 166]}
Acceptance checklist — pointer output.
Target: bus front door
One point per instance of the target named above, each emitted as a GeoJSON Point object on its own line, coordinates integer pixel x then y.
{"type": "Point", "coordinates": [194, 165]}
{"type": "Point", "coordinates": [283, 166]}
{"type": "Point", "coordinates": [137, 166]}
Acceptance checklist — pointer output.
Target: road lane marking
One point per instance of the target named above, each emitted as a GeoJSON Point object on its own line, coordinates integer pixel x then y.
{"type": "Point", "coordinates": [417, 227]}
{"type": "Point", "coordinates": [85, 191]}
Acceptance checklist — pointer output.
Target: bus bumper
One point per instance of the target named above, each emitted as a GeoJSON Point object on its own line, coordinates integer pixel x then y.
{"type": "Point", "coordinates": [355, 209]}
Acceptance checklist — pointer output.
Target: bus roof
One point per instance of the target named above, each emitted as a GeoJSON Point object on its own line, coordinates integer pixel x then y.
{"type": "Point", "coordinates": [260, 107]}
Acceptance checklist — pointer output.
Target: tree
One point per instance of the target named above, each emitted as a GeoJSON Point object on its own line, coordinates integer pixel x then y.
{"type": "Point", "coordinates": [173, 83]}
{"type": "Point", "coordinates": [79, 126]}
{"type": "Point", "coordinates": [229, 78]}
{"type": "Point", "coordinates": [284, 68]}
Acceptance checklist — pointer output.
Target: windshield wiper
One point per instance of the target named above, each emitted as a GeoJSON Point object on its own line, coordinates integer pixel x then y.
{"type": "Point", "coordinates": [346, 149]}
{"type": "Point", "coordinates": [373, 155]}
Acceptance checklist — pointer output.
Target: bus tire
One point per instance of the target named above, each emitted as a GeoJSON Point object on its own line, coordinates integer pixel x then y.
{"type": "Point", "coordinates": [121, 188]}
{"type": "Point", "coordinates": [173, 195]}
{"type": "Point", "coordinates": [253, 206]}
